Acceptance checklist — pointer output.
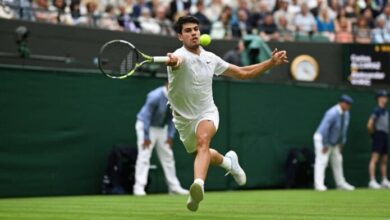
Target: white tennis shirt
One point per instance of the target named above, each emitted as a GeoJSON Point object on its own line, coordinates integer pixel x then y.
{"type": "Point", "coordinates": [190, 91]}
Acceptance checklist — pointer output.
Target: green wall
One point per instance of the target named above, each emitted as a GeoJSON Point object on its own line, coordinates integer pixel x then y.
{"type": "Point", "coordinates": [57, 128]}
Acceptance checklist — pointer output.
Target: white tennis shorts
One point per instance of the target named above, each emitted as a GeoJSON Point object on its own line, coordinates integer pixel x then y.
{"type": "Point", "coordinates": [187, 128]}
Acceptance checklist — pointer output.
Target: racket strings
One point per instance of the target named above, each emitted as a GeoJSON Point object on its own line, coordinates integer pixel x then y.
{"type": "Point", "coordinates": [118, 59]}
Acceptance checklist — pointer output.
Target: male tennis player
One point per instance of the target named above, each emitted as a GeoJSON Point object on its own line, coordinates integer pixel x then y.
{"type": "Point", "coordinates": [190, 74]}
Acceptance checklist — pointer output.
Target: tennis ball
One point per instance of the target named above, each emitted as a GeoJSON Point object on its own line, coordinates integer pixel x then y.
{"type": "Point", "coordinates": [204, 40]}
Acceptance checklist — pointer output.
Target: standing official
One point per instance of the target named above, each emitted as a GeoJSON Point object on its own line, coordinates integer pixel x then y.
{"type": "Point", "coordinates": [378, 127]}
{"type": "Point", "coordinates": [329, 139]}
{"type": "Point", "coordinates": [154, 127]}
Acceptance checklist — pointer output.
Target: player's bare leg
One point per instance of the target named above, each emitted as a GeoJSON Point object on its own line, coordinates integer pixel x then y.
{"type": "Point", "coordinates": [206, 156]}
{"type": "Point", "coordinates": [203, 156]}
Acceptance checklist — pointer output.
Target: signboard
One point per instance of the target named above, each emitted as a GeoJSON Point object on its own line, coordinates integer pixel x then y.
{"type": "Point", "coordinates": [368, 64]}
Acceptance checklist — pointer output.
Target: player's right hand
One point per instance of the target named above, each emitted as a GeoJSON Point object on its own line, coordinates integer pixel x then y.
{"type": "Point", "coordinates": [174, 60]}
{"type": "Point", "coordinates": [146, 144]}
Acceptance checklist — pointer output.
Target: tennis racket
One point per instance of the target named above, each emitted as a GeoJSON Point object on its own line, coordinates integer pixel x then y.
{"type": "Point", "coordinates": [119, 59]}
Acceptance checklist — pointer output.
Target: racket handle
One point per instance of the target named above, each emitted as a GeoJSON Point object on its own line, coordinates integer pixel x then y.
{"type": "Point", "coordinates": [160, 59]}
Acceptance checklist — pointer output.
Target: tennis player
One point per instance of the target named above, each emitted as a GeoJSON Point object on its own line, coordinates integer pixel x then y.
{"type": "Point", "coordinates": [190, 74]}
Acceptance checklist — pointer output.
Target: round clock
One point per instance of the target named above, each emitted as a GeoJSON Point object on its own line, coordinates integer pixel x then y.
{"type": "Point", "coordinates": [304, 68]}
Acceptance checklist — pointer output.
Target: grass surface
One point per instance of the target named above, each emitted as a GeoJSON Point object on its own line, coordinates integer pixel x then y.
{"type": "Point", "coordinates": [242, 205]}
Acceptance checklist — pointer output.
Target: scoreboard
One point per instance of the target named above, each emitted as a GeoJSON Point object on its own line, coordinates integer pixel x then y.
{"type": "Point", "coordinates": [367, 64]}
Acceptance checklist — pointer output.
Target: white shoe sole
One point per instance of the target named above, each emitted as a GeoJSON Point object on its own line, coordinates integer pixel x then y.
{"type": "Point", "coordinates": [196, 196]}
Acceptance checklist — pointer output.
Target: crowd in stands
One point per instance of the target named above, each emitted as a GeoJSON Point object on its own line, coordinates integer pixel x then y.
{"type": "Point", "coordinates": [343, 21]}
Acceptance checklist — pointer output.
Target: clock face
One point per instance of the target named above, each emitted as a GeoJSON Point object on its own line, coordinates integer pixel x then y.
{"type": "Point", "coordinates": [304, 68]}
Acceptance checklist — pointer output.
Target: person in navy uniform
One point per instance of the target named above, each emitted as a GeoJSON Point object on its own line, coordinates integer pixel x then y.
{"type": "Point", "coordinates": [378, 127]}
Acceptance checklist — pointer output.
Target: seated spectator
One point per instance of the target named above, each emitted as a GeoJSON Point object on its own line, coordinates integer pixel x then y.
{"type": "Point", "coordinates": [92, 15]}
{"type": "Point", "coordinates": [204, 23]}
{"type": "Point", "coordinates": [294, 7]}
{"type": "Point", "coordinates": [259, 13]}
{"type": "Point", "coordinates": [361, 31]}
{"type": "Point", "coordinates": [179, 7]}
{"type": "Point", "coordinates": [127, 22]}
{"type": "Point", "coordinates": [165, 24]}
{"type": "Point", "coordinates": [283, 12]}
{"type": "Point", "coordinates": [386, 16]}
{"type": "Point", "coordinates": [285, 31]}
{"type": "Point", "coordinates": [380, 34]}
{"type": "Point", "coordinates": [214, 10]}
{"type": "Point", "coordinates": [109, 19]}
{"type": "Point", "coordinates": [243, 25]}
{"type": "Point", "coordinates": [367, 14]}
{"type": "Point", "coordinates": [63, 12]}
{"type": "Point", "coordinates": [268, 30]}
{"type": "Point", "coordinates": [148, 24]}
{"type": "Point", "coordinates": [43, 12]}
{"type": "Point", "coordinates": [351, 10]}
{"type": "Point", "coordinates": [138, 7]}
{"type": "Point", "coordinates": [343, 30]}
{"type": "Point", "coordinates": [75, 12]}
{"type": "Point", "coordinates": [325, 25]}
{"type": "Point", "coordinates": [221, 29]}
{"type": "Point", "coordinates": [305, 22]}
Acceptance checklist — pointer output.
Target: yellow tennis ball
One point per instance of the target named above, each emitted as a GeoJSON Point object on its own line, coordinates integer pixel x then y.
{"type": "Point", "coordinates": [204, 40]}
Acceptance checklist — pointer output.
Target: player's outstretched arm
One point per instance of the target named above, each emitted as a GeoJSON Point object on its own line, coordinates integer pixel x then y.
{"type": "Point", "coordinates": [252, 71]}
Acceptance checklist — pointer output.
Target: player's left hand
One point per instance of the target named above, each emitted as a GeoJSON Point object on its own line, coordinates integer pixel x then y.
{"type": "Point", "coordinates": [279, 57]}
{"type": "Point", "coordinates": [169, 142]}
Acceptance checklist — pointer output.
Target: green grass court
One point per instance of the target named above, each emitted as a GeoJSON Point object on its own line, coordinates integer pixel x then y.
{"type": "Point", "coordinates": [261, 204]}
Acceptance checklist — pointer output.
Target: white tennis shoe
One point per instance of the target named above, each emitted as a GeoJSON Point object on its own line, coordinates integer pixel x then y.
{"type": "Point", "coordinates": [196, 196]}
{"type": "Point", "coordinates": [236, 170]}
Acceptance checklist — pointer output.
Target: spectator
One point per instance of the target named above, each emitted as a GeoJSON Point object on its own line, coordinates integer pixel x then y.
{"type": "Point", "coordinates": [75, 11]}
{"type": "Point", "coordinates": [127, 22]}
{"type": "Point", "coordinates": [378, 128]}
{"type": "Point", "coordinates": [214, 10]}
{"type": "Point", "coordinates": [284, 29]}
{"type": "Point", "coordinates": [259, 13]}
{"type": "Point", "coordinates": [380, 34]}
{"type": "Point", "coordinates": [315, 11]}
{"type": "Point", "coordinates": [367, 14]}
{"type": "Point", "coordinates": [361, 31]}
{"type": "Point", "coordinates": [386, 16]}
{"type": "Point", "coordinates": [283, 12]}
{"type": "Point", "coordinates": [109, 19]}
{"type": "Point", "coordinates": [329, 140]}
{"type": "Point", "coordinates": [148, 23]}
{"type": "Point", "coordinates": [221, 29]}
{"type": "Point", "coordinates": [204, 23]}
{"type": "Point", "coordinates": [165, 24]}
{"type": "Point", "coordinates": [294, 7]}
{"type": "Point", "coordinates": [243, 25]}
{"type": "Point", "coordinates": [43, 12]}
{"type": "Point", "coordinates": [305, 22]}
{"type": "Point", "coordinates": [180, 7]}
{"type": "Point", "coordinates": [351, 10]}
{"type": "Point", "coordinates": [92, 16]}
{"type": "Point", "coordinates": [63, 12]}
{"type": "Point", "coordinates": [325, 25]}
{"type": "Point", "coordinates": [269, 30]}
{"type": "Point", "coordinates": [343, 28]}
{"type": "Point", "coordinates": [138, 7]}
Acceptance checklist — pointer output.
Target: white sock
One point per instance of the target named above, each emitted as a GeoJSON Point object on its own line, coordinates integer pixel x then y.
{"type": "Point", "coordinates": [384, 178]}
{"type": "Point", "coordinates": [373, 179]}
{"type": "Point", "coordinates": [199, 181]}
{"type": "Point", "coordinates": [226, 163]}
